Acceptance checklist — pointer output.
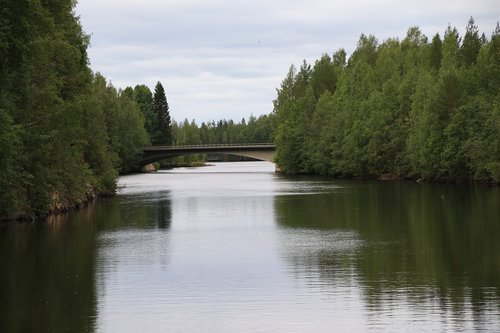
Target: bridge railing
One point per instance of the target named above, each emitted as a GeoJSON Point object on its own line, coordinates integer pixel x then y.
{"type": "Point", "coordinates": [214, 145]}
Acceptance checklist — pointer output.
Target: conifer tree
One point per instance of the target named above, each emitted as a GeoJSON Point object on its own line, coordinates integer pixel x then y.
{"type": "Point", "coordinates": [163, 133]}
{"type": "Point", "coordinates": [435, 57]}
{"type": "Point", "coordinates": [471, 44]}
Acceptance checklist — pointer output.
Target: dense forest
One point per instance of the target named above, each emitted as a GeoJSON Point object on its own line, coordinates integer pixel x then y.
{"type": "Point", "coordinates": [65, 132]}
{"type": "Point", "coordinates": [415, 108]}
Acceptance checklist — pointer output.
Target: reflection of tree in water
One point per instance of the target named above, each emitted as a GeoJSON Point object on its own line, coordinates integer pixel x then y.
{"type": "Point", "coordinates": [421, 244]}
{"type": "Point", "coordinates": [152, 209]}
{"type": "Point", "coordinates": [164, 213]}
{"type": "Point", "coordinates": [139, 211]}
{"type": "Point", "coordinates": [132, 226]}
{"type": "Point", "coordinates": [47, 280]}
{"type": "Point", "coordinates": [48, 270]}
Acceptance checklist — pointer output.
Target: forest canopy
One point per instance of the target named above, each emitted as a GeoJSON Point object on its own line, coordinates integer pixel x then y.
{"type": "Point", "coordinates": [415, 108]}
{"type": "Point", "coordinates": [65, 132]}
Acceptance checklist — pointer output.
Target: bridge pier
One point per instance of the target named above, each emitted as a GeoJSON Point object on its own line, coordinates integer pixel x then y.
{"type": "Point", "coordinates": [148, 168]}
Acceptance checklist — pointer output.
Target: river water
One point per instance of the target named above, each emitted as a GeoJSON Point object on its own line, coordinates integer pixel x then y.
{"type": "Point", "coordinates": [235, 247]}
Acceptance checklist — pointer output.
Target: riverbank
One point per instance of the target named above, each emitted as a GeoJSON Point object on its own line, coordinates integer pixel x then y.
{"type": "Point", "coordinates": [59, 205]}
{"type": "Point", "coordinates": [388, 177]}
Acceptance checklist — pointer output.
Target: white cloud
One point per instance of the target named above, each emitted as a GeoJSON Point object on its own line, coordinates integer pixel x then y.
{"type": "Point", "coordinates": [224, 59]}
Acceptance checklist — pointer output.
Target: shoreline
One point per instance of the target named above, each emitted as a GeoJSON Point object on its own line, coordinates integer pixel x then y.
{"type": "Point", "coordinates": [61, 207]}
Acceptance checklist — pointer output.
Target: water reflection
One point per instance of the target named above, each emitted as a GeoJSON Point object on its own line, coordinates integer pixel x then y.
{"type": "Point", "coordinates": [47, 280]}
{"type": "Point", "coordinates": [133, 248]}
{"type": "Point", "coordinates": [428, 250]}
{"type": "Point", "coordinates": [228, 251]}
{"type": "Point", "coordinates": [220, 272]}
{"type": "Point", "coordinates": [51, 271]}
{"type": "Point", "coordinates": [136, 211]}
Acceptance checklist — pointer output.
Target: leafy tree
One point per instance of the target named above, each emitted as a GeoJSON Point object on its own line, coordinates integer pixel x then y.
{"type": "Point", "coordinates": [125, 125]}
{"type": "Point", "coordinates": [323, 76]}
{"type": "Point", "coordinates": [339, 58]}
{"type": "Point", "coordinates": [11, 177]}
{"type": "Point", "coordinates": [144, 98]}
{"type": "Point", "coordinates": [450, 50]}
{"type": "Point", "coordinates": [127, 92]}
{"type": "Point", "coordinates": [102, 160]}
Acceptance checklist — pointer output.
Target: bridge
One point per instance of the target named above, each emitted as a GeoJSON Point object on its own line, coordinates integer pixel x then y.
{"type": "Point", "coordinates": [258, 151]}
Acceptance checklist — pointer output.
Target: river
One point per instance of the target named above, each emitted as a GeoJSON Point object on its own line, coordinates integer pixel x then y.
{"type": "Point", "coordinates": [235, 247]}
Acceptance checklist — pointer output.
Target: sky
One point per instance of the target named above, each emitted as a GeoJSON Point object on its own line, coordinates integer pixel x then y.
{"type": "Point", "coordinates": [220, 59]}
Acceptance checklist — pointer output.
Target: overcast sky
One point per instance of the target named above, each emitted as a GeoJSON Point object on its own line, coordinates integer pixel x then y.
{"type": "Point", "coordinates": [224, 59]}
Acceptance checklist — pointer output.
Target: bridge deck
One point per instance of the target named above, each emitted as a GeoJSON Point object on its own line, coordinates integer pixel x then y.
{"type": "Point", "coordinates": [262, 151]}
{"type": "Point", "coordinates": [230, 146]}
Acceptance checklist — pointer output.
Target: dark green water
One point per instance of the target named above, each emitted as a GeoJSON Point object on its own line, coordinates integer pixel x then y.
{"type": "Point", "coordinates": [238, 248]}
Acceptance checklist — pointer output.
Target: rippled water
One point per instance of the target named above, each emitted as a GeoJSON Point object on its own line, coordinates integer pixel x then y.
{"type": "Point", "coordinates": [235, 247]}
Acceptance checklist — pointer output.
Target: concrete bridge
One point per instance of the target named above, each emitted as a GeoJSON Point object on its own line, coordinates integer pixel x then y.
{"type": "Point", "coordinates": [259, 151]}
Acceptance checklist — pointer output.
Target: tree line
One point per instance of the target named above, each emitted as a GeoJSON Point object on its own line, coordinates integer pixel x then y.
{"type": "Point", "coordinates": [65, 132]}
{"type": "Point", "coordinates": [412, 108]}
{"type": "Point", "coordinates": [254, 130]}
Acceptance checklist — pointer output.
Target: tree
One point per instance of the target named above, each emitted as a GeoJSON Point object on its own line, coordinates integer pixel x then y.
{"type": "Point", "coordinates": [144, 98]}
{"type": "Point", "coordinates": [435, 56]}
{"type": "Point", "coordinates": [163, 133]}
{"type": "Point", "coordinates": [471, 44]}
{"type": "Point", "coordinates": [323, 77]}
{"type": "Point", "coordinates": [451, 49]}
{"type": "Point", "coordinates": [45, 81]}
{"type": "Point", "coordinates": [11, 179]}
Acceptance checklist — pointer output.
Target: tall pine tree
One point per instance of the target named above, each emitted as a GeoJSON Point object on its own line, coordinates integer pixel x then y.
{"type": "Point", "coordinates": [163, 133]}
{"type": "Point", "coordinates": [471, 44]}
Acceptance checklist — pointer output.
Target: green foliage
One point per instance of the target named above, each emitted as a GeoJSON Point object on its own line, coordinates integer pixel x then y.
{"type": "Point", "coordinates": [255, 130]}
{"type": "Point", "coordinates": [64, 133]}
{"type": "Point", "coordinates": [436, 52]}
{"type": "Point", "coordinates": [401, 109]}
{"type": "Point", "coordinates": [451, 49]}
{"type": "Point", "coordinates": [144, 98]}
{"type": "Point", "coordinates": [162, 129]}
{"type": "Point", "coordinates": [471, 44]}
{"type": "Point", "coordinates": [11, 176]}
{"type": "Point", "coordinates": [324, 76]}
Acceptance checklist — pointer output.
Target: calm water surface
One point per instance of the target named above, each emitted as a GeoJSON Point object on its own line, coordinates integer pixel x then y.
{"type": "Point", "coordinates": [237, 248]}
